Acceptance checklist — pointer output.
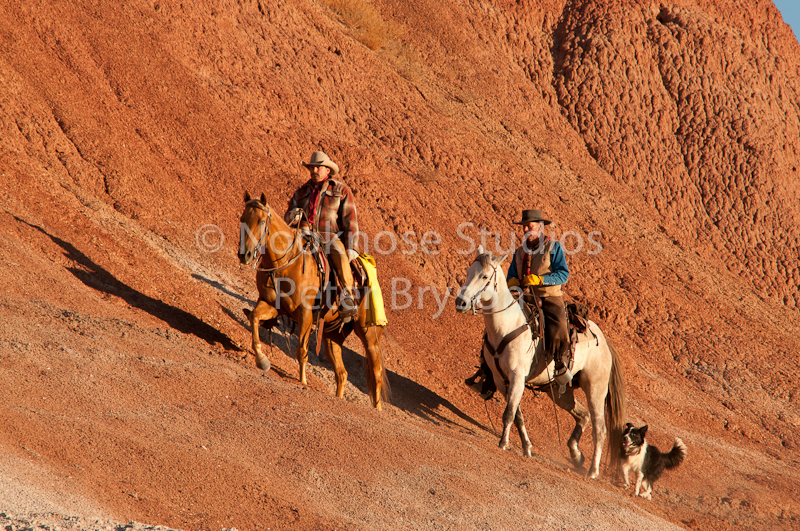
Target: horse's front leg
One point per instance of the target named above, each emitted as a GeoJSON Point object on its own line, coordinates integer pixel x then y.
{"type": "Point", "coordinates": [519, 420]}
{"type": "Point", "coordinates": [261, 312]}
{"type": "Point", "coordinates": [516, 386]}
{"type": "Point", "coordinates": [306, 322]}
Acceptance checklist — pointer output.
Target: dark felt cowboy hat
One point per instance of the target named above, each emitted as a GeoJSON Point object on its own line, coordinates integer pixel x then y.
{"type": "Point", "coordinates": [318, 158]}
{"type": "Point", "coordinates": [532, 216]}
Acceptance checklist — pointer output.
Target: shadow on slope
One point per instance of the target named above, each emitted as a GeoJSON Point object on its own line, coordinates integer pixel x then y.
{"type": "Point", "coordinates": [406, 394]}
{"type": "Point", "coordinates": [95, 277]}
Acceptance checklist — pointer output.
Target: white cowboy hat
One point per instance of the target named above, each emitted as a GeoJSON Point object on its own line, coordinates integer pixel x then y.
{"type": "Point", "coordinates": [318, 158]}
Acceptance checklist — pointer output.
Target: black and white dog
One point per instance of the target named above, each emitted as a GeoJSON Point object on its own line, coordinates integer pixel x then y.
{"type": "Point", "coordinates": [646, 461]}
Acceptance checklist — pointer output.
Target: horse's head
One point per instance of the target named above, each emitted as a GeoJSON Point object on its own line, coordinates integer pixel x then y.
{"type": "Point", "coordinates": [254, 225]}
{"type": "Point", "coordinates": [482, 280]}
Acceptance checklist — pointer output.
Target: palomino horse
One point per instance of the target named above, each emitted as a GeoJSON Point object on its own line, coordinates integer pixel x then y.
{"type": "Point", "coordinates": [285, 264]}
{"type": "Point", "coordinates": [596, 366]}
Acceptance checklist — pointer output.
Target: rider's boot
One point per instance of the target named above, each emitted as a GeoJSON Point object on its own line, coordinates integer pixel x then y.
{"type": "Point", "coordinates": [482, 382]}
{"type": "Point", "coordinates": [348, 307]}
{"type": "Point", "coordinates": [561, 375]}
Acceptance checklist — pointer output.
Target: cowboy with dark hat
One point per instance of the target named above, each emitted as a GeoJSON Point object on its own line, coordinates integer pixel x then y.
{"type": "Point", "coordinates": [532, 216]}
{"type": "Point", "coordinates": [539, 269]}
{"type": "Point", "coordinates": [330, 210]}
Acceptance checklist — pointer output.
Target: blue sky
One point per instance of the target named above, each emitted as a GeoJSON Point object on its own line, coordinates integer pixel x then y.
{"type": "Point", "coordinates": [790, 9]}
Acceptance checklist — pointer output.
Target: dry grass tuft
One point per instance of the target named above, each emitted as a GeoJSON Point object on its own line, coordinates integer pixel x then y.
{"type": "Point", "coordinates": [365, 19]}
{"type": "Point", "coordinates": [428, 175]}
{"type": "Point", "coordinates": [408, 63]}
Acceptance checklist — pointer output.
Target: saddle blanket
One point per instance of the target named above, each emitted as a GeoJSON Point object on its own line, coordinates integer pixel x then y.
{"type": "Point", "coordinates": [376, 314]}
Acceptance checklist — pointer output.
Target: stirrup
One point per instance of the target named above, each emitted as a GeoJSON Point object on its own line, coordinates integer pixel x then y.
{"type": "Point", "coordinates": [348, 307]}
{"type": "Point", "coordinates": [480, 383]}
{"type": "Point", "coordinates": [563, 380]}
{"type": "Point", "coordinates": [475, 381]}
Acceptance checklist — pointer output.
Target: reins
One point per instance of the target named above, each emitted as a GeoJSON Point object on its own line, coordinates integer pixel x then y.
{"type": "Point", "coordinates": [261, 241]}
{"type": "Point", "coordinates": [485, 312]}
{"type": "Point", "coordinates": [507, 339]}
{"type": "Point", "coordinates": [473, 300]}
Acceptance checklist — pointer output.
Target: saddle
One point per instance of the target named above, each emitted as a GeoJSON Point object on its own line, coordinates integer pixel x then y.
{"type": "Point", "coordinates": [578, 327]}
{"type": "Point", "coordinates": [578, 316]}
{"type": "Point", "coordinates": [365, 285]}
{"type": "Point", "coordinates": [328, 288]}
{"type": "Point", "coordinates": [577, 322]}
{"type": "Point", "coordinates": [360, 278]}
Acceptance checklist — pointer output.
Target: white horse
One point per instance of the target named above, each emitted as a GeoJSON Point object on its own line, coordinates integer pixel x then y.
{"type": "Point", "coordinates": [519, 360]}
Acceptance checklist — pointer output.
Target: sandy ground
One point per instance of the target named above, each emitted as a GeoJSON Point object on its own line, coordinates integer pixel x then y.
{"type": "Point", "coordinates": [129, 390]}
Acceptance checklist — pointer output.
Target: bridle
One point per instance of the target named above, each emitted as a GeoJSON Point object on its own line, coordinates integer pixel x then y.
{"type": "Point", "coordinates": [265, 231]}
{"type": "Point", "coordinates": [508, 338]}
{"type": "Point", "coordinates": [474, 299]}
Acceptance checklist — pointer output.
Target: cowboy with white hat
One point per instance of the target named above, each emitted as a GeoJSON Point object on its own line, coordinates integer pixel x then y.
{"type": "Point", "coordinates": [330, 210]}
{"type": "Point", "coordinates": [539, 269]}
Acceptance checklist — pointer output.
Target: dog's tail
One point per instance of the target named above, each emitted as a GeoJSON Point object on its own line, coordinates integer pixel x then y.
{"type": "Point", "coordinates": [676, 455]}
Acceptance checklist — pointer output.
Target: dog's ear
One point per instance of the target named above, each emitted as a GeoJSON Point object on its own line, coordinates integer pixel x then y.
{"type": "Point", "coordinates": [643, 429]}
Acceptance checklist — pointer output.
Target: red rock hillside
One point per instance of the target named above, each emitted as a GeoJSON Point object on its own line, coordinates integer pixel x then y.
{"type": "Point", "coordinates": [663, 138]}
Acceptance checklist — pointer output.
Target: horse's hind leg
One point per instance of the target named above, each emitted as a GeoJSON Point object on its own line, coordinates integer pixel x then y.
{"type": "Point", "coordinates": [595, 398]}
{"type": "Point", "coordinates": [263, 311]}
{"type": "Point", "coordinates": [333, 349]}
{"type": "Point", "coordinates": [581, 415]}
{"type": "Point", "coordinates": [371, 338]}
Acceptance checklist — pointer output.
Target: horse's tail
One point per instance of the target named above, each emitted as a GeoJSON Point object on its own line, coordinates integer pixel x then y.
{"type": "Point", "coordinates": [615, 409]}
{"type": "Point", "coordinates": [386, 389]}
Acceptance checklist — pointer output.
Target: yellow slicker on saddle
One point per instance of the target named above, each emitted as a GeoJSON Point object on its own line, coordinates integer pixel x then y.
{"type": "Point", "coordinates": [375, 311]}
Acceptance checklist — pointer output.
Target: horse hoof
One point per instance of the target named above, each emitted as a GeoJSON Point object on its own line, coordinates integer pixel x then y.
{"type": "Point", "coordinates": [578, 460]}
{"type": "Point", "coordinates": [593, 475]}
{"type": "Point", "coordinates": [263, 363]}
{"type": "Point", "coordinates": [527, 452]}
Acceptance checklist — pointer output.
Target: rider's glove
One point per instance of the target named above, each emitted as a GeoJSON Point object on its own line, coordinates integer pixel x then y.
{"type": "Point", "coordinates": [352, 254]}
{"type": "Point", "coordinates": [532, 280]}
{"type": "Point", "coordinates": [513, 282]}
{"type": "Point", "coordinates": [294, 216]}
